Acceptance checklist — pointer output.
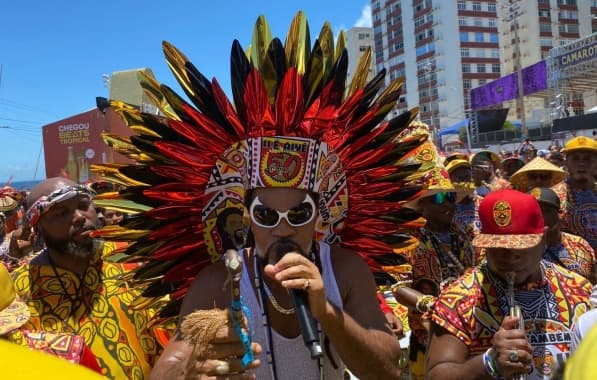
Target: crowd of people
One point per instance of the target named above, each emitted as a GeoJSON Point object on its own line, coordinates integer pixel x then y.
{"type": "Point", "coordinates": [316, 241]}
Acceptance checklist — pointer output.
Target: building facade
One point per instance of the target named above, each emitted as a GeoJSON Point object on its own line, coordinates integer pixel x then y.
{"type": "Point", "coordinates": [528, 31]}
{"type": "Point", "coordinates": [358, 40]}
{"type": "Point", "coordinates": [442, 48]}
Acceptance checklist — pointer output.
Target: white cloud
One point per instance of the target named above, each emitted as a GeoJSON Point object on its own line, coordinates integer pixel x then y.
{"type": "Point", "coordinates": [365, 19]}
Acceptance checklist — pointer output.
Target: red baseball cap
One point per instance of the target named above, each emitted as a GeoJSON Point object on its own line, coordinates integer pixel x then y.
{"type": "Point", "coordinates": [509, 219]}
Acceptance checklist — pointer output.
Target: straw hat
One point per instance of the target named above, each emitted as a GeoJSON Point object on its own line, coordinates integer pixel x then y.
{"type": "Point", "coordinates": [438, 181]}
{"type": "Point", "coordinates": [7, 203]}
{"type": "Point", "coordinates": [487, 155]}
{"type": "Point", "coordinates": [455, 161]}
{"type": "Point", "coordinates": [13, 312]}
{"type": "Point", "coordinates": [537, 164]}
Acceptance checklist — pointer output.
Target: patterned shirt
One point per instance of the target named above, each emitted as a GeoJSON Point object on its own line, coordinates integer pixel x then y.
{"type": "Point", "coordinates": [95, 306]}
{"type": "Point", "coordinates": [473, 308]}
{"type": "Point", "coordinates": [442, 258]}
{"type": "Point", "coordinates": [573, 253]}
{"type": "Point", "coordinates": [578, 212]}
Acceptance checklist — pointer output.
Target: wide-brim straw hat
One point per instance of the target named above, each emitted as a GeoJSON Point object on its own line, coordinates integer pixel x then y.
{"type": "Point", "coordinates": [438, 181]}
{"type": "Point", "coordinates": [520, 178]}
{"type": "Point", "coordinates": [7, 203]}
{"type": "Point", "coordinates": [487, 155]}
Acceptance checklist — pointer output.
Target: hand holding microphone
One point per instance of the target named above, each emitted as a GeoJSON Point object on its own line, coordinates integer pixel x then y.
{"type": "Point", "coordinates": [301, 277]}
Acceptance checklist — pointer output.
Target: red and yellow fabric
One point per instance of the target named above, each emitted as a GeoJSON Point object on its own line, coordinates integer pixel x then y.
{"type": "Point", "coordinates": [578, 213]}
{"type": "Point", "coordinates": [120, 337]}
{"type": "Point", "coordinates": [427, 263]}
{"type": "Point", "coordinates": [581, 257]}
{"type": "Point", "coordinates": [66, 346]}
{"type": "Point", "coordinates": [473, 308]}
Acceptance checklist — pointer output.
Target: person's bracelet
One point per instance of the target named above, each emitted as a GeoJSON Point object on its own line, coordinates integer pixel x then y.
{"type": "Point", "coordinates": [424, 303]}
{"type": "Point", "coordinates": [490, 365]}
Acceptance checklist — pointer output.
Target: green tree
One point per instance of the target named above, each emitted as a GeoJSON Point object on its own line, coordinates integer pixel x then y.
{"type": "Point", "coordinates": [508, 126]}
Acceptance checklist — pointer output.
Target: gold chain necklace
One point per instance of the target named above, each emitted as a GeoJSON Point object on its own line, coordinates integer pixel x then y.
{"type": "Point", "coordinates": [270, 296]}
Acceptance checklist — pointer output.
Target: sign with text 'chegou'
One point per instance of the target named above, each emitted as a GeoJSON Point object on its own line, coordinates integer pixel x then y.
{"type": "Point", "coordinates": [74, 143]}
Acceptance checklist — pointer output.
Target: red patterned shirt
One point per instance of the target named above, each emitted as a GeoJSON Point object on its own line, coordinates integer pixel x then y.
{"type": "Point", "coordinates": [473, 308]}
{"type": "Point", "coordinates": [573, 253]}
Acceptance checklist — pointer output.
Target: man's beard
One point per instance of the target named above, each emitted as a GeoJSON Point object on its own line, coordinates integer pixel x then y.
{"type": "Point", "coordinates": [82, 249]}
{"type": "Point", "coordinates": [281, 247]}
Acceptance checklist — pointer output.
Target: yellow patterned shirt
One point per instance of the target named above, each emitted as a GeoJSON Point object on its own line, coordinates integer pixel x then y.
{"type": "Point", "coordinates": [473, 307]}
{"type": "Point", "coordinates": [95, 306]}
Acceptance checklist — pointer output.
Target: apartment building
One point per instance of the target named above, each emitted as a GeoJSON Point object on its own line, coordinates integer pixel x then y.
{"type": "Point", "coordinates": [442, 48]}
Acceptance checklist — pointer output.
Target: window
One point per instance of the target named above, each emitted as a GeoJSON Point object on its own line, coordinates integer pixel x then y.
{"type": "Point", "coordinates": [544, 27]}
{"type": "Point", "coordinates": [419, 21]}
{"type": "Point", "coordinates": [465, 52]}
{"type": "Point", "coordinates": [478, 22]}
{"type": "Point", "coordinates": [482, 82]}
{"type": "Point", "coordinates": [544, 13]}
{"type": "Point", "coordinates": [464, 37]}
{"type": "Point", "coordinates": [492, 23]}
{"type": "Point", "coordinates": [480, 67]}
{"type": "Point", "coordinates": [546, 42]}
{"type": "Point", "coordinates": [494, 53]}
{"type": "Point", "coordinates": [461, 5]}
{"type": "Point", "coordinates": [495, 68]}
{"type": "Point", "coordinates": [363, 48]}
{"type": "Point", "coordinates": [566, 14]}
{"type": "Point", "coordinates": [477, 7]}
{"type": "Point", "coordinates": [494, 38]}
{"type": "Point", "coordinates": [462, 21]}
{"type": "Point", "coordinates": [466, 67]}
{"type": "Point", "coordinates": [568, 28]}
{"type": "Point", "coordinates": [362, 36]}
{"type": "Point", "coordinates": [479, 37]}
{"type": "Point", "coordinates": [491, 8]}
{"type": "Point", "coordinates": [467, 84]}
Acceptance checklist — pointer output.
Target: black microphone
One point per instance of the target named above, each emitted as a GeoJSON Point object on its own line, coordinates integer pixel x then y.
{"type": "Point", "coordinates": [301, 305]}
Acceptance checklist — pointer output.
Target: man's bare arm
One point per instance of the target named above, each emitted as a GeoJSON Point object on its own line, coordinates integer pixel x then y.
{"type": "Point", "coordinates": [360, 333]}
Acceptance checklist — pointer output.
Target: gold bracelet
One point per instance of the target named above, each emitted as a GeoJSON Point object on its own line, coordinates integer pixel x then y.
{"type": "Point", "coordinates": [424, 303]}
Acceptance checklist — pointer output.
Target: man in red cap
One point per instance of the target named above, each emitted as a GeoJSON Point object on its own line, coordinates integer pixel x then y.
{"type": "Point", "coordinates": [511, 314]}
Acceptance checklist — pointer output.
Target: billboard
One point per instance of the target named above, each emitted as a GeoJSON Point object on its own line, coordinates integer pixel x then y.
{"type": "Point", "coordinates": [534, 78]}
{"type": "Point", "coordinates": [71, 145]}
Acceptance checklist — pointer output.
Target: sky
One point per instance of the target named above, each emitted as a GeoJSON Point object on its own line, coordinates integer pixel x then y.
{"type": "Point", "coordinates": [54, 54]}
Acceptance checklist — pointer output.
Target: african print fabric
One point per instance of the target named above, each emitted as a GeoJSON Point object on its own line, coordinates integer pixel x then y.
{"type": "Point", "coordinates": [96, 307]}
{"type": "Point", "coordinates": [578, 212]}
{"type": "Point", "coordinates": [66, 346]}
{"type": "Point", "coordinates": [573, 253]}
{"type": "Point", "coordinates": [442, 258]}
{"type": "Point", "coordinates": [473, 308]}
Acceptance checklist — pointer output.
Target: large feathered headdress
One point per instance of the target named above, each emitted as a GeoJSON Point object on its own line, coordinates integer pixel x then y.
{"type": "Point", "coordinates": [293, 123]}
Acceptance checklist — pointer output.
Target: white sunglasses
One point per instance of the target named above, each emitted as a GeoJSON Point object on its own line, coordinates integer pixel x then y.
{"type": "Point", "coordinates": [268, 217]}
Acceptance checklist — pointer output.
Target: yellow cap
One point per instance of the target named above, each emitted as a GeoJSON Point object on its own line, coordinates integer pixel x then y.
{"type": "Point", "coordinates": [580, 143]}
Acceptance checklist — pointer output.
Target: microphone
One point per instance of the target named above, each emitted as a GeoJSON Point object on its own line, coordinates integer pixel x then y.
{"type": "Point", "coordinates": [306, 322]}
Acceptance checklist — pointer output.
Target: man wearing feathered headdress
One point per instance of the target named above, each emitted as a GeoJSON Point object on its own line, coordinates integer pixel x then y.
{"type": "Point", "coordinates": [320, 177]}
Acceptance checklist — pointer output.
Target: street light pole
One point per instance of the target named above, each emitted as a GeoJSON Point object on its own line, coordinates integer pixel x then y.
{"type": "Point", "coordinates": [513, 14]}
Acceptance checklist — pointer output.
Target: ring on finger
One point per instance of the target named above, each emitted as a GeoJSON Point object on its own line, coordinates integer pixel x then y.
{"type": "Point", "coordinates": [513, 356]}
{"type": "Point", "coordinates": [223, 367]}
{"type": "Point", "coordinates": [307, 285]}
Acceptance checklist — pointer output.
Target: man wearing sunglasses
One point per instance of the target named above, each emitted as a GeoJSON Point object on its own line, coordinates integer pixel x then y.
{"type": "Point", "coordinates": [537, 173]}
{"type": "Point", "coordinates": [444, 252]}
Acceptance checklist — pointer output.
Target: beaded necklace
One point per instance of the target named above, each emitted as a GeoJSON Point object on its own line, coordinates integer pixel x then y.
{"type": "Point", "coordinates": [261, 292]}
{"type": "Point", "coordinates": [430, 237]}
